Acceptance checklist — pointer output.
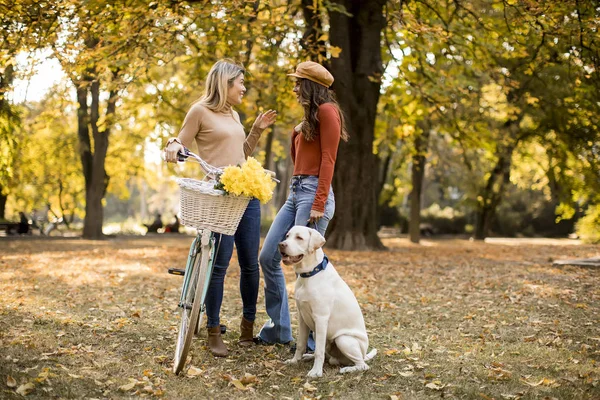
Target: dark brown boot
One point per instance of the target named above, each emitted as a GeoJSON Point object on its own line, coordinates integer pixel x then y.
{"type": "Point", "coordinates": [246, 332]}
{"type": "Point", "coordinates": [215, 343]}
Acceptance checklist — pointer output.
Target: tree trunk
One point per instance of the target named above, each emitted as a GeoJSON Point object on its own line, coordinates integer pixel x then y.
{"type": "Point", "coordinates": [418, 173]}
{"type": "Point", "coordinates": [6, 80]}
{"type": "Point", "coordinates": [269, 164]}
{"type": "Point", "coordinates": [313, 47]}
{"type": "Point", "coordinates": [492, 194]}
{"type": "Point", "coordinates": [3, 198]}
{"type": "Point", "coordinates": [357, 73]}
{"type": "Point", "coordinates": [96, 179]}
{"type": "Point", "coordinates": [284, 173]}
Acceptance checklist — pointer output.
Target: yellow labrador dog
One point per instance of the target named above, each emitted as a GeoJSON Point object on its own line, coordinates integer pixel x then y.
{"type": "Point", "coordinates": [326, 305]}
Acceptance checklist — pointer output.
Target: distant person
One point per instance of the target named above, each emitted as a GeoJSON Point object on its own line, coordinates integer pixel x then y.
{"type": "Point", "coordinates": [23, 227]}
{"type": "Point", "coordinates": [155, 225]}
{"type": "Point", "coordinates": [174, 227]}
{"type": "Point", "coordinates": [215, 127]}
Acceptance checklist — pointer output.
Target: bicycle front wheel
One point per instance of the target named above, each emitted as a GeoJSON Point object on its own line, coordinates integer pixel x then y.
{"type": "Point", "coordinates": [192, 305]}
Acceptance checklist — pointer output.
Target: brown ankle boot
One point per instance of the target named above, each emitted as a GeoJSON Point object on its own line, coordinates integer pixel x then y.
{"type": "Point", "coordinates": [215, 343]}
{"type": "Point", "coordinates": [246, 332]}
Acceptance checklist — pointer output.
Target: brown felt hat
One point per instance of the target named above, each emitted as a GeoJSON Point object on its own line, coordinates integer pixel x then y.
{"type": "Point", "coordinates": [313, 72]}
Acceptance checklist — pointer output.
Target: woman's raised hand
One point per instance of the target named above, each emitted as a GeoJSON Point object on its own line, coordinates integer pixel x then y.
{"type": "Point", "coordinates": [265, 120]}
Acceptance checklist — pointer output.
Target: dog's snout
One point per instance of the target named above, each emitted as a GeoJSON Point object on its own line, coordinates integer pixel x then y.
{"type": "Point", "coordinates": [282, 246]}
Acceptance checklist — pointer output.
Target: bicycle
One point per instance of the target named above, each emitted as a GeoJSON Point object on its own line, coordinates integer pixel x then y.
{"type": "Point", "coordinates": [209, 211]}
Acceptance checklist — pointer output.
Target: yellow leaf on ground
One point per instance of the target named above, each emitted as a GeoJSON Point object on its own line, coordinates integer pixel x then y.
{"type": "Point", "coordinates": [309, 388]}
{"type": "Point", "coordinates": [238, 384]}
{"type": "Point", "coordinates": [128, 387]}
{"type": "Point", "coordinates": [436, 385]}
{"type": "Point", "coordinates": [543, 381]}
{"type": "Point", "coordinates": [25, 389]}
{"type": "Point", "coordinates": [248, 378]}
{"type": "Point", "coordinates": [193, 371]}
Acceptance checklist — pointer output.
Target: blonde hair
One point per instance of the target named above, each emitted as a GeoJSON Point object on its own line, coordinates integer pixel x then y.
{"type": "Point", "coordinates": [220, 78]}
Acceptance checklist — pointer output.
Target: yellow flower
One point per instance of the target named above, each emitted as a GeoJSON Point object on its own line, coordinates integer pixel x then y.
{"type": "Point", "coordinates": [249, 180]}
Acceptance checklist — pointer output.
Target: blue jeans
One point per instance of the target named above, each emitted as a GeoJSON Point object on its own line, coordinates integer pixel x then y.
{"type": "Point", "coordinates": [247, 241]}
{"type": "Point", "coordinates": [295, 211]}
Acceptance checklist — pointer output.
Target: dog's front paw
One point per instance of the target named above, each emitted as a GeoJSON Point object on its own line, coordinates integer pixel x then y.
{"type": "Point", "coordinates": [291, 361]}
{"type": "Point", "coordinates": [315, 373]}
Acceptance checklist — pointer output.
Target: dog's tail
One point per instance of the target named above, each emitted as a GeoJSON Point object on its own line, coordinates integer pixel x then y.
{"type": "Point", "coordinates": [370, 355]}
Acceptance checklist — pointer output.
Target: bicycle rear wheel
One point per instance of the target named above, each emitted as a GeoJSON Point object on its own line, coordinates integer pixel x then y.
{"type": "Point", "coordinates": [192, 302]}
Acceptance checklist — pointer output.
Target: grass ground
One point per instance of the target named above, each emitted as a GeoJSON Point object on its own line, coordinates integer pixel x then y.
{"type": "Point", "coordinates": [450, 318]}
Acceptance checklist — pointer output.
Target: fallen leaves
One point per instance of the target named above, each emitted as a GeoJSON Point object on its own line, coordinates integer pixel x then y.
{"type": "Point", "coordinates": [11, 382]}
{"type": "Point", "coordinates": [148, 384]}
{"type": "Point", "coordinates": [193, 371]}
{"type": "Point", "coordinates": [498, 372]}
{"type": "Point", "coordinates": [309, 388]}
{"type": "Point", "coordinates": [129, 386]}
{"type": "Point", "coordinates": [245, 383]}
{"type": "Point", "coordinates": [450, 318]}
{"type": "Point", "coordinates": [25, 389]}
{"type": "Point", "coordinates": [542, 382]}
{"type": "Point", "coordinates": [435, 385]}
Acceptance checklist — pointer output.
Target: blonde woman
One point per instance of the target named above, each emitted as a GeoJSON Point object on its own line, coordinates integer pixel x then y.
{"type": "Point", "coordinates": [219, 135]}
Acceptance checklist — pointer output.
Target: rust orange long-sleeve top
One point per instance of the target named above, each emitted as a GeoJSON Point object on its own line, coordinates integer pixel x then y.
{"type": "Point", "coordinates": [318, 156]}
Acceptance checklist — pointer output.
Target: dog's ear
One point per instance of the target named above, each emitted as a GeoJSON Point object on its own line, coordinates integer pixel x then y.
{"type": "Point", "coordinates": [315, 240]}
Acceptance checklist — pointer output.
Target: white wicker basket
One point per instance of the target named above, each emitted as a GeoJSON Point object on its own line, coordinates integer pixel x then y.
{"type": "Point", "coordinates": [204, 207]}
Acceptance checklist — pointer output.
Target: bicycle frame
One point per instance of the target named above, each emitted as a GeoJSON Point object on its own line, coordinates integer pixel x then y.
{"type": "Point", "coordinates": [203, 238]}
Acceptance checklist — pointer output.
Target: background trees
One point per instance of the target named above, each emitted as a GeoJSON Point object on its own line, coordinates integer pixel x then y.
{"type": "Point", "coordinates": [476, 117]}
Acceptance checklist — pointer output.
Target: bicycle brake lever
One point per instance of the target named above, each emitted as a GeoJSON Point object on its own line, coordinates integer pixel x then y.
{"type": "Point", "coordinates": [182, 154]}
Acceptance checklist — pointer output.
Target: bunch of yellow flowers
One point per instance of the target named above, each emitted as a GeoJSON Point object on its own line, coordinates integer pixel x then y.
{"type": "Point", "coordinates": [249, 180]}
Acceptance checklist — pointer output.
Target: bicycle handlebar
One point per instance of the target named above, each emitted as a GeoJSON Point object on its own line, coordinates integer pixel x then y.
{"type": "Point", "coordinates": [185, 153]}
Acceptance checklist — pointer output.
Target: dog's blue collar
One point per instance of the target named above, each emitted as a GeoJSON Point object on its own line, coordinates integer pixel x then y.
{"type": "Point", "coordinates": [316, 269]}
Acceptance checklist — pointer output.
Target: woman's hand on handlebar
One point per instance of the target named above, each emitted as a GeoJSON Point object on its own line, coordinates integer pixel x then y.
{"type": "Point", "coordinates": [172, 149]}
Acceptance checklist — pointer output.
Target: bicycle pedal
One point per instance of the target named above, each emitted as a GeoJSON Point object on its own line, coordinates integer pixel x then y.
{"type": "Point", "coordinates": [176, 271]}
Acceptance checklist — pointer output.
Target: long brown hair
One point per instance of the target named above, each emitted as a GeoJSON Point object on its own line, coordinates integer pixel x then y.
{"type": "Point", "coordinates": [312, 95]}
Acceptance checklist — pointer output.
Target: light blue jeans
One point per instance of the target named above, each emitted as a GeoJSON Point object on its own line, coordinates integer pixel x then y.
{"type": "Point", "coordinates": [295, 211]}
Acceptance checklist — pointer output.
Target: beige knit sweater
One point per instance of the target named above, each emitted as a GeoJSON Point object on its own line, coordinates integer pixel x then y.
{"type": "Point", "coordinates": [220, 137]}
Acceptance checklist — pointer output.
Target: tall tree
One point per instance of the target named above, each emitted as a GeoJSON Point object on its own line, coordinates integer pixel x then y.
{"type": "Point", "coordinates": [23, 27]}
{"type": "Point", "coordinates": [104, 48]}
{"type": "Point", "coordinates": [356, 28]}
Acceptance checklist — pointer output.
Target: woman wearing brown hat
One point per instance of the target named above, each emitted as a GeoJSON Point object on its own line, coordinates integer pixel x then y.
{"type": "Point", "coordinates": [314, 145]}
{"type": "Point", "coordinates": [216, 129]}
